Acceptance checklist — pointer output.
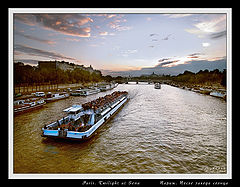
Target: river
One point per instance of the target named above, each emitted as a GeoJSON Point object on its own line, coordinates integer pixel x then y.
{"type": "Point", "coordinates": [159, 131]}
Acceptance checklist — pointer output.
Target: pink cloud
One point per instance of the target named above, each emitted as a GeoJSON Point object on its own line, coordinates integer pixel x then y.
{"type": "Point", "coordinates": [103, 33]}
{"type": "Point", "coordinates": [69, 24]}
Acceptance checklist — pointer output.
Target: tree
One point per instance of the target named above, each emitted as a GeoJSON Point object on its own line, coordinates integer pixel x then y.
{"type": "Point", "coordinates": [108, 78]}
{"type": "Point", "coordinates": [224, 78]}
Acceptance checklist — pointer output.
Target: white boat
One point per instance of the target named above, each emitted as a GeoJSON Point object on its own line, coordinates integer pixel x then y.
{"type": "Point", "coordinates": [107, 87]}
{"type": "Point", "coordinates": [157, 86]}
{"type": "Point", "coordinates": [50, 97]}
{"type": "Point", "coordinates": [83, 120]}
{"type": "Point", "coordinates": [21, 106]}
{"type": "Point", "coordinates": [85, 92]}
{"type": "Point", "coordinates": [218, 94]}
{"type": "Point", "coordinates": [40, 94]}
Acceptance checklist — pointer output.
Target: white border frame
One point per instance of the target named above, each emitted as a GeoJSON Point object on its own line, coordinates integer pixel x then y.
{"type": "Point", "coordinates": [228, 12]}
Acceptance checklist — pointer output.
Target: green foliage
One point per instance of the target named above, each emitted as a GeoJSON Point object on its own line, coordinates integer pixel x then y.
{"type": "Point", "coordinates": [202, 77]}
{"type": "Point", "coordinates": [26, 74]}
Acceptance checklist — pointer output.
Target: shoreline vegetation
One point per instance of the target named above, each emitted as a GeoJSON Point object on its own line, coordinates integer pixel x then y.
{"type": "Point", "coordinates": [28, 79]}
{"type": "Point", "coordinates": [205, 82]}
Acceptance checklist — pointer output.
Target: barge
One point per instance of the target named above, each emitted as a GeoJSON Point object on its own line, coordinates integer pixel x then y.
{"type": "Point", "coordinates": [21, 106]}
{"type": "Point", "coordinates": [83, 120]}
{"type": "Point", "coordinates": [85, 92]}
{"type": "Point", "coordinates": [50, 97]}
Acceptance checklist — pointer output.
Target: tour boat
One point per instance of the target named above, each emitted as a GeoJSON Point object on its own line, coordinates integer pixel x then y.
{"type": "Point", "coordinates": [21, 106]}
{"type": "Point", "coordinates": [85, 92]}
{"type": "Point", "coordinates": [157, 86]}
{"type": "Point", "coordinates": [83, 120]}
{"type": "Point", "coordinates": [50, 97]}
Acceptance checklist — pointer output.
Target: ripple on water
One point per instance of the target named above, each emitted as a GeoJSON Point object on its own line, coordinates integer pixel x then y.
{"type": "Point", "coordinates": [158, 131]}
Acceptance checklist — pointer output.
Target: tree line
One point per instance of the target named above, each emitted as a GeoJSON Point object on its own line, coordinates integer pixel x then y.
{"type": "Point", "coordinates": [202, 77]}
{"type": "Point", "coordinates": [26, 74]}
{"type": "Point", "coordinates": [188, 77]}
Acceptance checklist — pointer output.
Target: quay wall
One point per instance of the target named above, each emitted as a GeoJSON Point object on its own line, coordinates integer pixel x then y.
{"type": "Point", "coordinates": [27, 89]}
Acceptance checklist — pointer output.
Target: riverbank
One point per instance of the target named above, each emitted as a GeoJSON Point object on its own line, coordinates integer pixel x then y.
{"type": "Point", "coordinates": [60, 88]}
{"type": "Point", "coordinates": [24, 92]}
{"type": "Point", "coordinates": [213, 89]}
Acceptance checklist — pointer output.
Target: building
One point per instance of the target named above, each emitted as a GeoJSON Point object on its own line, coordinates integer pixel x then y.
{"type": "Point", "coordinates": [64, 66]}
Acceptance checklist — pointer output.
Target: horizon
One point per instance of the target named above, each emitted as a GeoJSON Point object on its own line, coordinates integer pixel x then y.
{"type": "Point", "coordinates": [123, 43]}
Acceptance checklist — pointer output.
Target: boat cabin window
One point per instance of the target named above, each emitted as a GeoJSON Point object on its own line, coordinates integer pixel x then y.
{"type": "Point", "coordinates": [73, 113]}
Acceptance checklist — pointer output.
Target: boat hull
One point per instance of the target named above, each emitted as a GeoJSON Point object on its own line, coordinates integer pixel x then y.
{"type": "Point", "coordinates": [49, 100]}
{"type": "Point", "coordinates": [82, 136]}
{"type": "Point", "coordinates": [27, 109]}
{"type": "Point", "coordinates": [84, 94]}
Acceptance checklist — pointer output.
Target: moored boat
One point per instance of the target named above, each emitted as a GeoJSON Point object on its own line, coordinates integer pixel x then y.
{"type": "Point", "coordinates": [85, 92]}
{"type": "Point", "coordinates": [218, 94]}
{"type": "Point", "coordinates": [157, 86]}
{"type": "Point", "coordinates": [83, 120]}
{"type": "Point", "coordinates": [50, 97]}
{"type": "Point", "coordinates": [21, 106]}
{"type": "Point", "coordinates": [107, 87]}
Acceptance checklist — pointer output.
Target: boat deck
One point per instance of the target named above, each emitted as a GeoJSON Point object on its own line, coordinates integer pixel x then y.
{"type": "Point", "coordinates": [83, 120]}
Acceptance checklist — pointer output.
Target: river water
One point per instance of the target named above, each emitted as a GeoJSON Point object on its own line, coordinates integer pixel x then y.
{"type": "Point", "coordinates": [159, 131]}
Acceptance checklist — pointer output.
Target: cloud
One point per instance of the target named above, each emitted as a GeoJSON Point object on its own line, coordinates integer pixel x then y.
{"type": "Point", "coordinates": [218, 35]}
{"type": "Point", "coordinates": [28, 19]}
{"type": "Point", "coordinates": [40, 53]}
{"type": "Point", "coordinates": [153, 34]}
{"type": "Point", "coordinates": [176, 61]}
{"type": "Point", "coordinates": [177, 15]}
{"type": "Point", "coordinates": [50, 42]}
{"type": "Point", "coordinates": [69, 24]}
{"type": "Point", "coordinates": [73, 39]}
{"type": "Point", "coordinates": [117, 23]}
{"type": "Point", "coordinates": [103, 33]}
{"type": "Point", "coordinates": [163, 59]}
{"type": "Point", "coordinates": [167, 37]}
{"type": "Point", "coordinates": [172, 61]}
{"type": "Point", "coordinates": [165, 64]}
{"type": "Point", "coordinates": [194, 55]}
{"type": "Point", "coordinates": [149, 19]}
{"type": "Point", "coordinates": [111, 15]}
{"type": "Point", "coordinates": [212, 25]}
{"type": "Point", "coordinates": [193, 66]}
{"type": "Point", "coordinates": [126, 53]}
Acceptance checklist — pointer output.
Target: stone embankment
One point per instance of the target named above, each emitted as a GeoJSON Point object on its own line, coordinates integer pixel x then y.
{"type": "Point", "coordinates": [24, 92]}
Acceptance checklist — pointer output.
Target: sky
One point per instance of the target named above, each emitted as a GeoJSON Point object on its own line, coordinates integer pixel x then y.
{"type": "Point", "coordinates": [123, 44]}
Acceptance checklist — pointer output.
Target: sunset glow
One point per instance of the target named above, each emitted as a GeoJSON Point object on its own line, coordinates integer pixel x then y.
{"type": "Point", "coordinates": [120, 41]}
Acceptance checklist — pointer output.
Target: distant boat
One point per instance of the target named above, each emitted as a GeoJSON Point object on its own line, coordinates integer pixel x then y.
{"type": "Point", "coordinates": [107, 87]}
{"type": "Point", "coordinates": [85, 92]}
{"type": "Point", "coordinates": [218, 94]}
{"type": "Point", "coordinates": [157, 86]}
{"type": "Point", "coordinates": [40, 94]}
{"type": "Point", "coordinates": [50, 97]}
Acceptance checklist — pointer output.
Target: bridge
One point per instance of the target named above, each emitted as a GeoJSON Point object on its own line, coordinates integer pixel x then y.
{"type": "Point", "coordinates": [149, 81]}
